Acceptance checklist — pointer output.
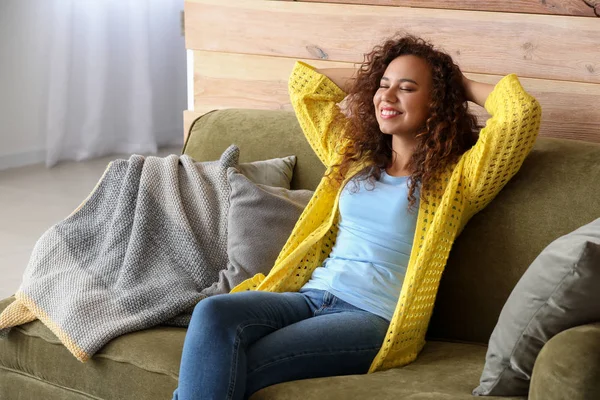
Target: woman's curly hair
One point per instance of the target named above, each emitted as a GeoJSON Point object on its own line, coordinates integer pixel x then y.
{"type": "Point", "coordinates": [448, 132]}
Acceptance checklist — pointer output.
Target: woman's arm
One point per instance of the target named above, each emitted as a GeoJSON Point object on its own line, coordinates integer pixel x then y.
{"type": "Point", "coordinates": [504, 142]}
{"type": "Point", "coordinates": [342, 77]}
{"type": "Point", "coordinates": [477, 92]}
{"type": "Point", "coordinates": [315, 99]}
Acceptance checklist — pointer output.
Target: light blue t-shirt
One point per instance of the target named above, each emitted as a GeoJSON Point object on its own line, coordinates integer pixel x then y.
{"type": "Point", "coordinates": [367, 264]}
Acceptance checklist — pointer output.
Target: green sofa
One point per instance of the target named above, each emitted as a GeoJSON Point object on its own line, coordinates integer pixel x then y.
{"type": "Point", "coordinates": [556, 191]}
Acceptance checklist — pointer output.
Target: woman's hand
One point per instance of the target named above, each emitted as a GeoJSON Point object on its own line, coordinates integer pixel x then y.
{"type": "Point", "coordinates": [477, 92]}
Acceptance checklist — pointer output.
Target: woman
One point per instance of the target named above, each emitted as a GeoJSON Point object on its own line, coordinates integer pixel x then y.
{"type": "Point", "coordinates": [353, 289]}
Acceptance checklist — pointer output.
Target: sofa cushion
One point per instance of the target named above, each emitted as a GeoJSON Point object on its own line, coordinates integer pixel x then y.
{"type": "Point", "coordinates": [274, 172]}
{"type": "Point", "coordinates": [138, 365]}
{"type": "Point", "coordinates": [555, 192]}
{"type": "Point", "coordinates": [259, 222]}
{"type": "Point", "coordinates": [557, 292]}
{"type": "Point", "coordinates": [260, 134]}
{"type": "Point", "coordinates": [443, 371]}
{"type": "Point", "coordinates": [568, 367]}
{"type": "Point", "coordinates": [145, 365]}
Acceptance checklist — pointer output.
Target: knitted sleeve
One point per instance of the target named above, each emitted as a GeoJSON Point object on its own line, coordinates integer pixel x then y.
{"type": "Point", "coordinates": [504, 142]}
{"type": "Point", "coordinates": [314, 98]}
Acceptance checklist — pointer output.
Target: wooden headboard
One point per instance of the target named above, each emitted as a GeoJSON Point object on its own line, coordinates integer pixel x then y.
{"type": "Point", "coordinates": [242, 51]}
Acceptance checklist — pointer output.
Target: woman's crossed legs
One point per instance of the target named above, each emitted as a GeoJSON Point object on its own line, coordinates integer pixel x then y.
{"type": "Point", "coordinates": [239, 343]}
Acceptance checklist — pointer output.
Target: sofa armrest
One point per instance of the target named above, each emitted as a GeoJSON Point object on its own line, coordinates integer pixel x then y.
{"type": "Point", "coordinates": [568, 367]}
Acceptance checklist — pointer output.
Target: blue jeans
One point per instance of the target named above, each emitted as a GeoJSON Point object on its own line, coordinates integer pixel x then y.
{"type": "Point", "coordinates": [239, 343]}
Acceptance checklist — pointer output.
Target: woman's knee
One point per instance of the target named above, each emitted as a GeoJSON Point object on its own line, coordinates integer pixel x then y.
{"type": "Point", "coordinates": [211, 310]}
{"type": "Point", "coordinates": [208, 305]}
{"type": "Point", "coordinates": [223, 309]}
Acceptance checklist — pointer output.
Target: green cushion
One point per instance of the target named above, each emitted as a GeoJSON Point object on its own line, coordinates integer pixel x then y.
{"type": "Point", "coordinates": [260, 135]}
{"type": "Point", "coordinates": [144, 363]}
{"type": "Point", "coordinates": [443, 371]}
{"type": "Point", "coordinates": [555, 192]}
{"type": "Point", "coordinates": [18, 385]}
{"type": "Point", "coordinates": [568, 367]}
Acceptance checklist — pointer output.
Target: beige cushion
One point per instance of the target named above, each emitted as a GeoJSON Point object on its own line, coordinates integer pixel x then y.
{"type": "Point", "coordinates": [274, 172]}
{"type": "Point", "coordinates": [259, 221]}
{"type": "Point", "coordinates": [557, 292]}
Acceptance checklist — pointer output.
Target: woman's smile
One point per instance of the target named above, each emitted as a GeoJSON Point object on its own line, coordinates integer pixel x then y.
{"type": "Point", "coordinates": [389, 113]}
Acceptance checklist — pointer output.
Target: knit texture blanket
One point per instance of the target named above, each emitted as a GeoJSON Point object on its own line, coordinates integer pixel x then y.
{"type": "Point", "coordinates": [137, 253]}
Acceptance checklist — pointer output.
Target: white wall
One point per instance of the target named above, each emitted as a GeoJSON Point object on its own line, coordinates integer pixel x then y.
{"type": "Point", "coordinates": [24, 31]}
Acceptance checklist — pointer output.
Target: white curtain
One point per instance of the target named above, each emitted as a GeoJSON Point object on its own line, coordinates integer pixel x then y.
{"type": "Point", "coordinates": [116, 78]}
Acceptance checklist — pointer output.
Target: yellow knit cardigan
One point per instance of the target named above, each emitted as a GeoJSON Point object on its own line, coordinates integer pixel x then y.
{"type": "Point", "coordinates": [477, 177]}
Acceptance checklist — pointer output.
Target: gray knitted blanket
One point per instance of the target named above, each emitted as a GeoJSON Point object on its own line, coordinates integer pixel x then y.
{"type": "Point", "coordinates": [137, 253]}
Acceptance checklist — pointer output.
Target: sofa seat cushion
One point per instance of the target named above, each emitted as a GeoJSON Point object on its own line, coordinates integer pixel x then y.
{"type": "Point", "coordinates": [443, 371]}
{"type": "Point", "coordinates": [138, 365]}
{"type": "Point", "coordinates": [145, 365]}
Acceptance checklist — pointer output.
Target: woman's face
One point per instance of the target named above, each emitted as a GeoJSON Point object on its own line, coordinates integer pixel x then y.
{"type": "Point", "coordinates": [402, 100]}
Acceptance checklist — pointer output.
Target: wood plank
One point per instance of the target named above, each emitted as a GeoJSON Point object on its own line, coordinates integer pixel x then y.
{"type": "Point", "coordinates": [188, 118]}
{"type": "Point", "coordinates": [247, 81]}
{"type": "Point", "coordinates": [537, 46]}
{"type": "Point", "coordinates": [552, 7]}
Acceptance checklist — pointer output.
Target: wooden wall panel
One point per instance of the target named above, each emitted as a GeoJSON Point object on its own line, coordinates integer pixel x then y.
{"type": "Point", "coordinates": [245, 81]}
{"type": "Point", "coordinates": [553, 7]}
{"type": "Point", "coordinates": [570, 109]}
{"type": "Point", "coordinates": [482, 42]}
